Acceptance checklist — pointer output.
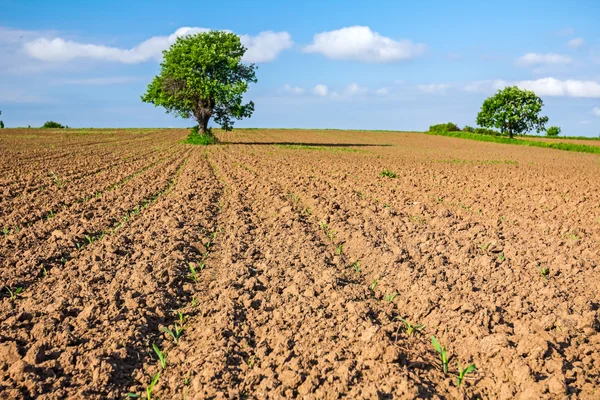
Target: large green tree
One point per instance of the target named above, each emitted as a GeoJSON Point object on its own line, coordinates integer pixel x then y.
{"type": "Point", "coordinates": [512, 110]}
{"type": "Point", "coordinates": [202, 76]}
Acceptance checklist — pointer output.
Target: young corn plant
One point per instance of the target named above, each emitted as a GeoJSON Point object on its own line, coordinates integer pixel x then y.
{"type": "Point", "coordinates": [338, 249]}
{"type": "Point", "coordinates": [544, 271]}
{"type": "Point", "coordinates": [193, 274]}
{"type": "Point", "coordinates": [442, 352]}
{"type": "Point", "coordinates": [162, 357]}
{"type": "Point", "coordinates": [177, 330]}
{"type": "Point", "coordinates": [410, 328]}
{"type": "Point", "coordinates": [373, 285]}
{"type": "Point", "coordinates": [356, 267]}
{"type": "Point", "coordinates": [149, 389]}
{"type": "Point", "coordinates": [14, 293]}
{"type": "Point", "coordinates": [462, 372]}
{"type": "Point", "coordinates": [389, 297]}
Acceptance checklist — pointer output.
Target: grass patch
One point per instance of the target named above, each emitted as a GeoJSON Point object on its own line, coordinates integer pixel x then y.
{"type": "Point", "coordinates": [581, 148]}
{"type": "Point", "coordinates": [202, 140]}
{"type": "Point", "coordinates": [478, 162]}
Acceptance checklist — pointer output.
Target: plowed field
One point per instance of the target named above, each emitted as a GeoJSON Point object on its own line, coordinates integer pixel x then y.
{"type": "Point", "coordinates": [286, 266]}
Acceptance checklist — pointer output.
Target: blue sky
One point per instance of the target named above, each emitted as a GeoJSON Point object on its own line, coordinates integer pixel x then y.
{"type": "Point", "coordinates": [335, 64]}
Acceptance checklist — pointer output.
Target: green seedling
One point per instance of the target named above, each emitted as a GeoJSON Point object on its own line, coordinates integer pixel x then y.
{"type": "Point", "coordinates": [463, 372]}
{"type": "Point", "coordinates": [250, 361]}
{"type": "Point", "coordinates": [338, 249]}
{"type": "Point", "coordinates": [390, 297]}
{"type": "Point", "coordinates": [386, 173]}
{"type": "Point", "coordinates": [544, 271]}
{"type": "Point", "coordinates": [410, 328]}
{"type": "Point", "coordinates": [5, 231]}
{"type": "Point", "coordinates": [177, 330]}
{"type": "Point", "coordinates": [186, 380]}
{"type": "Point", "coordinates": [14, 293]}
{"type": "Point", "coordinates": [484, 247]}
{"type": "Point", "coordinates": [89, 239]}
{"type": "Point", "coordinates": [356, 267]}
{"type": "Point", "coordinates": [150, 388]}
{"type": "Point", "coordinates": [193, 274]}
{"type": "Point", "coordinates": [442, 352]}
{"type": "Point", "coordinates": [162, 357]}
{"type": "Point", "coordinates": [501, 257]}
{"type": "Point", "coordinates": [194, 302]}
{"type": "Point", "coordinates": [373, 285]}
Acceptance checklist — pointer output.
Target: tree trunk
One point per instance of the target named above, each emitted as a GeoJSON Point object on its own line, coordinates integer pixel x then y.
{"type": "Point", "coordinates": [203, 125]}
{"type": "Point", "coordinates": [203, 116]}
{"type": "Point", "coordinates": [510, 133]}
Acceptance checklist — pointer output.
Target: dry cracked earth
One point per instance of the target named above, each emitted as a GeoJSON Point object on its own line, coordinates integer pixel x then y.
{"type": "Point", "coordinates": [282, 264]}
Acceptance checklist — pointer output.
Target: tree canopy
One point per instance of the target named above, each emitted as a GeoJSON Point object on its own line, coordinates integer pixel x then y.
{"type": "Point", "coordinates": [202, 76]}
{"type": "Point", "coordinates": [512, 110]}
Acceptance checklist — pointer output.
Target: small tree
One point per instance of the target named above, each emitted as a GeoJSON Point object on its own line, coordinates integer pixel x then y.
{"type": "Point", "coordinates": [202, 76]}
{"type": "Point", "coordinates": [52, 125]}
{"type": "Point", "coordinates": [553, 131]}
{"type": "Point", "coordinates": [1, 122]}
{"type": "Point", "coordinates": [512, 110]}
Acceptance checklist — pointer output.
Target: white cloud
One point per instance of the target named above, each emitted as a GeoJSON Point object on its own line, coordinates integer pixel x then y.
{"type": "Point", "coordinates": [596, 111]}
{"type": "Point", "coordinates": [292, 89]}
{"type": "Point", "coordinates": [542, 87]}
{"type": "Point", "coordinates": [531, 59]}
{"type": "Point", "coordinates": [576, 43]}
{"type": "Point", "coordinates": [320, 90]}
{"type": "Point", "coordinates": [433, 88]}
{"type": "Point", "coordinates": [114, 80]}
{"type": "Point", "coordinates": [354, 89]}
{"type": "Point", "coordinates": [382, 91]}
{"type": "Point", "coordinates": [264, 47]}
{"type": "Point", "coordinates": [360, 43]}
{"type": "Point", "coordinates": [585, 122]}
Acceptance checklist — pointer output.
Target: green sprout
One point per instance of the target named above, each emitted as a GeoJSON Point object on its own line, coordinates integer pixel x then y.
{"type": "Point", "coordinates": [373, 285]}
{"type": "Point", "coordinates": [463, 372]}
{"type": "Point", "coordinates": [193, 274]}
{"type": "Point", "coordinates": [544, 271]}
{"type": "Point", "coordinates": [356, 267]}
{"type": "Point", "coordinates": [162, 357]}
{"type": "Point", "coordinates": [14, 293]}
{"type": "Point", "coordinates": [410, 328]}
{"type": "Point", "coordinates": [338, 249]}
{"type": "Point", "coordinates": [177, 328]}
{"type": "Point", "coordinates": [501, 257]}
{"type": "Point", "coordinates": [390, 297]}
{"type": "Point", "coordinates": [386, 173]}
{"type": "Point", "coordinates": [442, 352]}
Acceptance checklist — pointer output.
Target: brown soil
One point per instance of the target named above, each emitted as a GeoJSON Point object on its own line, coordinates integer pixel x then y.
{"type": "Point", "coordinates": [306, 260]}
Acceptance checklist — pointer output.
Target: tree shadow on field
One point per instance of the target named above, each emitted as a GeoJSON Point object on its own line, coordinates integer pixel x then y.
{"type": "Point", "coordinates": [303, 144]}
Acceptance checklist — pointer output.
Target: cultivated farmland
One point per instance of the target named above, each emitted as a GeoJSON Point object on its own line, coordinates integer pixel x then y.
{"type": "Point", "coordinates": [288, 263]}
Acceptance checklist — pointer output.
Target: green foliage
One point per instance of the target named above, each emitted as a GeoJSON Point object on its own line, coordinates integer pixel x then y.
{"type": "Point", "coordinates": [486, 131]}
{"type": "Point", "coordinates": [468, 128]}
{"type": "Point", "coordinates": [410, 328]}
{"type": "Point", "coordinates": [582, 148]}
{"type": "Point", "coordinates": [386, 173]}
{"type": "Point", "coordinates": [512, 110]}
{"type": "Point", "coordinates": [52, 125]}
{"type": "Point", "coordinates": [1, 122]}
{"type": "Point", "coordinates": [442, 352]}
{"type": "Point", "coordinates": [463, 372]}
{"type": "Point", "coordinates": [162, 357]}
{"type": "Point", "coordinates": [200, 139]}
{"type": "Point", "coordinates": [14, 293]}
{"type": "Point", "coordinates": [553, 131]}
{"type": "Point", "coordinates": [202, 76]}
{"type": "Point", "coordinates": [448, 127]}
